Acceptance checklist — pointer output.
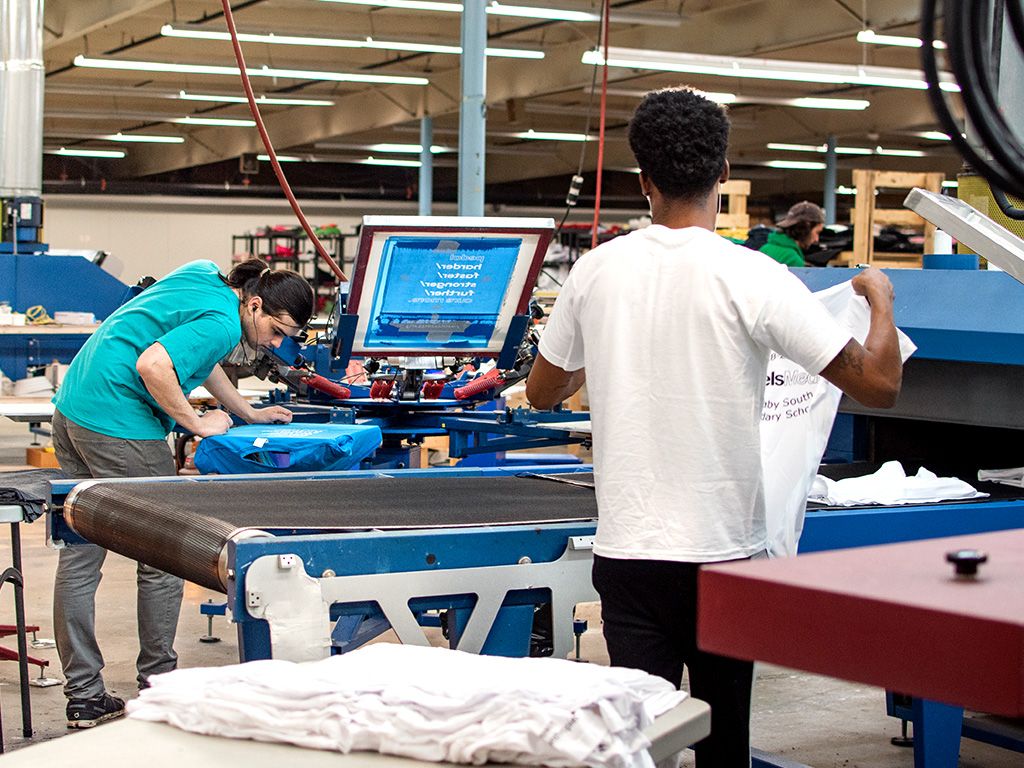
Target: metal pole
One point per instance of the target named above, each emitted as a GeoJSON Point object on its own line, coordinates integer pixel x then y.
{"type": "Point", "coordinates": [472, 123]}
{"type": "Point", "coordinates": [426, 166]}
{"type": "Point", "coordinates": [21, 98]}
{"type": "Point", "coordinates": [829, 198]}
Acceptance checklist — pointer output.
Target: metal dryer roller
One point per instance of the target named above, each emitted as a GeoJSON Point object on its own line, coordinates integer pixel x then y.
{"type": "Point", "coordinates": [183, 526]}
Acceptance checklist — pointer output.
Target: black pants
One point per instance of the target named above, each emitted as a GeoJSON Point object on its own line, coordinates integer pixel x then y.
{"type": "Point", "coordinates": [649, 610]}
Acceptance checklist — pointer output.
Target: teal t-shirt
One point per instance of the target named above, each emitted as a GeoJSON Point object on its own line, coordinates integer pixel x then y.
{"type": "Point", "coordinates": [784, 249]}
{"type": "Point", "coordinates": [193, 315]}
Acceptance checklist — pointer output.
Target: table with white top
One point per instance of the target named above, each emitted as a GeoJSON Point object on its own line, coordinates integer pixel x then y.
{"type": "Point", "coordinates": [127, 743]}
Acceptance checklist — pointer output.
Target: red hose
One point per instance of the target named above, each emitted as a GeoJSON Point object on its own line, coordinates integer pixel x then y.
{"type": "Point", "coordinates": [285, 187]}
{"type": "Point", "coordinates": [600, 141]}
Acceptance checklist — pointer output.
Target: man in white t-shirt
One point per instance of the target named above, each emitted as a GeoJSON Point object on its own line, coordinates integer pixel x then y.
{"type": "Point", "coordinates": [673, 326]}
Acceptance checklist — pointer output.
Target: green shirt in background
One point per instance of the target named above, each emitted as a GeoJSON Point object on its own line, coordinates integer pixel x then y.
{"type": "Point", "coordinates": [190, 312]}
{"type": "Point", "coordinates": [784, 249]}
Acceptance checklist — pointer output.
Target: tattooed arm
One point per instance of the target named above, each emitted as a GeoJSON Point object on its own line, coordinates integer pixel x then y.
{"type": "Point", "coordinates": [871, 374]}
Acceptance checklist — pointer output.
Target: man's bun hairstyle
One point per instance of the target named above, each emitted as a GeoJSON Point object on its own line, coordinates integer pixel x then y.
{"type": "Point", "coordinates": [283, 291]}
{"type": "Point", "coordinates": [679, 139]}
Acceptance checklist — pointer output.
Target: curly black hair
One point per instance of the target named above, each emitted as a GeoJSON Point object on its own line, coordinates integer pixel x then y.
{"type": "Point", "coordinates": [679, 139]}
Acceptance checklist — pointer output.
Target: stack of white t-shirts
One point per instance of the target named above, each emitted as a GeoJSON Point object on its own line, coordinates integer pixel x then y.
{"type": "Point", "coordinates": [890, 485]}
{"type": "Point", "coordinates": [425, 703]}
{"type": "Point", "coordinates": [1013, 476]}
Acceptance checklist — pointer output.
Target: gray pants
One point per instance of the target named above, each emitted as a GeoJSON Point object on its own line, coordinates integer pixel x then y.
{"type": "Point", "coordinates": [83, 453]}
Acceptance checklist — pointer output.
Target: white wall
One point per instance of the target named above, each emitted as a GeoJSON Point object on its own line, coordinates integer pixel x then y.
{"type": "Point", "coordinates": [154, 235]}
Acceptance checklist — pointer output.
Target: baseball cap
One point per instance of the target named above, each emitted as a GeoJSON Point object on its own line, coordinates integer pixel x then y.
{"type": "Point", "coordinates": [804, 211]}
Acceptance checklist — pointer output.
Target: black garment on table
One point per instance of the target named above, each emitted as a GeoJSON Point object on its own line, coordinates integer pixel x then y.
{"type": "Point", "coordinates": [28, 489]}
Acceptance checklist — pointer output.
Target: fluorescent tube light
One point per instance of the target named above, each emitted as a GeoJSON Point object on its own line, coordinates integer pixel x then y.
{"type": "Point", "coordinates": [73, 152]}
{"type": "Point", "coordinates": [842, 190]}
{"type": "Point", "coordinates": [280, 158]}
{"type": "Point", "coordinates": [950, 184]}
{"type": "Point", "coordinates": [766, 69]}
{"type": "Point", "coordinates": [933, 135]}
{"type": "Point", "coordinates": [808, 102]}
{"type": "Point", "coordinates": [413, 149]}
{"type": "Point", "coordinates": [333, 42]}
{"type": "Point", "coordinates": [798, 165]}
{"type": "Point", "coordinates": [870, 36]}
{"type": "Point", "coordinates": [391, 161]}
{"type": "Point", "coordinates": [900, 152]}
{"type": "Point", "coordinates": [211, 69]}
{"type": "Point", "coordinates": [142, 138]}
{"type": "Point", "coordinates": [820, 148]}
{"type": "Point", "coordinates": [494, 8]}
{"type": "Point", "coordinates": [275, 100]}
{"type": "Point", "coordinates": [551, 136]}
{"type": "Point", "coordinates": [222, 121]}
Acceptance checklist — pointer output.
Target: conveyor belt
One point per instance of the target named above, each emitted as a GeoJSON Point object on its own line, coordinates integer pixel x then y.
{"type": "Point", "coordinates": [184, 527]}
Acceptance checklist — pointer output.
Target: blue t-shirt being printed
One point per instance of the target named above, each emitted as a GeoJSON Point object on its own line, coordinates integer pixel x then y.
{"type": "Point", "coordinates": [190, 312]}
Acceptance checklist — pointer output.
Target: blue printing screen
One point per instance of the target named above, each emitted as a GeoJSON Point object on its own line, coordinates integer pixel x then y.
{"type": "Point", "coordinates": [438, 292]}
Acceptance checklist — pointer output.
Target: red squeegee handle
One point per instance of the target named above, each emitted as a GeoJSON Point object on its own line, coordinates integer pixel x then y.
{"type": "Point", "coordinates": [490, 380]}
{"type": "Point", "coordinates": [327, 386]}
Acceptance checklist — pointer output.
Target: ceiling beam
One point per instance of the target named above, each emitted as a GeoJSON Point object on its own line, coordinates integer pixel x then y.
{"type": "Point", "coordinates": [65, 21]}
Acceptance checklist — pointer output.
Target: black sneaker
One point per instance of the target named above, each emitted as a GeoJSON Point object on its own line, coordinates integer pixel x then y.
{"type": "Point", "coordinates": [85, 713]}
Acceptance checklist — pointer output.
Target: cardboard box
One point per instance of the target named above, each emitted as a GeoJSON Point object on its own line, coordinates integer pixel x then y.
{"type": "Point", "coordinates": [44, 458]}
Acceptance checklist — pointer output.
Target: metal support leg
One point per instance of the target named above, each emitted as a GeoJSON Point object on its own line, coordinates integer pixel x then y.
{"type": "Point", "coordinates": [19, 620]}
{"type": "Point", "coordinates": [936, 734]}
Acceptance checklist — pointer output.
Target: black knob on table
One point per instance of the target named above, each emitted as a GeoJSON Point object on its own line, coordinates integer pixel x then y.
{"type": "Point", "coordinates": [966, 561]}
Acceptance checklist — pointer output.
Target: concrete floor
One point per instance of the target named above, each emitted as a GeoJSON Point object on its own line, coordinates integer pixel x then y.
{"type": "Point", "coordinates": [808, 719]}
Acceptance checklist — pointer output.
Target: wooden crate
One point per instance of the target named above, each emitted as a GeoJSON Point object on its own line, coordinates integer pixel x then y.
{"type": "Point", "coordinates": [865, 215]}
{"type": "Point", "coordinates": [735, 217]}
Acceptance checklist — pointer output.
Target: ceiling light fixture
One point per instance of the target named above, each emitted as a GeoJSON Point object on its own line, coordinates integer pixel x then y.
{"type": "Point", "coordinates": [114, 154]}
{"type": "Point", "coordinates": [933, 135]}
{"type": "Point", "coordinates": [806, 102]}
{"type": "Point", "coordinates": [495, 8]}
{"type": "Point", "coordinates": [390, 161]}
{"type": "Point", "coordinates": [127, 138]}
{"type": "Point", "coordinates": [766, 69]}
{"type": "Point", "coordinates": [264, 71]}
{"type": "Point", "coordinates": [872, 37]}
{"type": "Point", "coordinates": [142, 138]}
{"type": "Point", "coordinates": [231, 122]}
{"type": "Point", "coordinates": [822, 148]}
{"type": "Point", "coordinates": [280, 158]}
{"type": "Point", "coordinates": [334, 42]}
{"type": "Point", "coordinates": [796, 165]}
{"type": "Point", "coordinates": [275, 100]}
{"type": "Point", "coordinates": [550, 136]}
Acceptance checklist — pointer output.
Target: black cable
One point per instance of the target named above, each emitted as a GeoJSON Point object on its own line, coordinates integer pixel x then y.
{"type": "Point", "coordinates": [1010, 178]}
{"type": "Point", "coordinates": [1009, 209]}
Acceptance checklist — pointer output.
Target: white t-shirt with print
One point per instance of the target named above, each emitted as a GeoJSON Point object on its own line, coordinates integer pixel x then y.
{"type": "Point", "coordinates": [674, 328]}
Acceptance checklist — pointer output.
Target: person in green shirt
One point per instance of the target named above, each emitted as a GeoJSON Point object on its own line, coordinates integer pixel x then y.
{"type": "Point", "coordinates": [798, 231]}
{"type": "Point", "coordinates": [123, 393]}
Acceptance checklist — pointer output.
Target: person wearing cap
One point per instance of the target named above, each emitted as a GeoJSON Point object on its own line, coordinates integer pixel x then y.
{"type": "Point", "coordinates": [677, 452]}
{"type": "Point", "coordinates": [797, 232]}
{"type": "Point", "coordinates": [123, 393]}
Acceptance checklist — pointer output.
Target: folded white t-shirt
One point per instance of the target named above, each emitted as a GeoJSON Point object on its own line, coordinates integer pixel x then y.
{"type": "Point", "coordinates": [890, 485]}
{"type": "Point", "coordinates": [425, 703]}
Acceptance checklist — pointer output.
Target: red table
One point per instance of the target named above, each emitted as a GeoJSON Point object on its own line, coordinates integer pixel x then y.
{"type": "Point", "coordinates": [894, 616]}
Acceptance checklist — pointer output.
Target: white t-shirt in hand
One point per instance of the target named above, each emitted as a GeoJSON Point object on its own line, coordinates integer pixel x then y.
{"type": "Point", "coordinates": [674, 328]}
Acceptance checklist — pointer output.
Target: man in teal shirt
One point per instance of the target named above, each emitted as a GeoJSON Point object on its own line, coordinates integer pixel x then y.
{"type": "Point", "coordinates": [122, 395]}
{"type": "Point", "coordinates": [798, 231]}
